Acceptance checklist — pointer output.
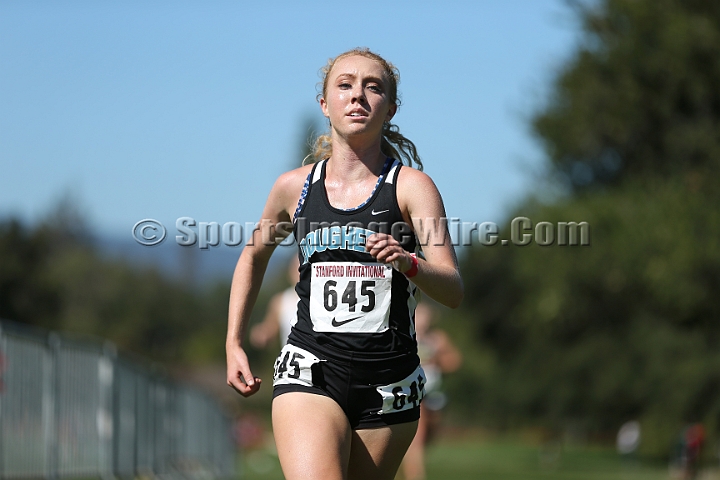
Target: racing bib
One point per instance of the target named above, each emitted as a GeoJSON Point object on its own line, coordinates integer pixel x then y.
{"type": "Point", "coordinates": [405, 394]}
{"type": "Point", "coordinates": [350, 297]}
{"type": "Point", "coordinates": [294, 366]}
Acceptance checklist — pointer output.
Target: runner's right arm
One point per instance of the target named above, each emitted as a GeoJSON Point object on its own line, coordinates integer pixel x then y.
{"type": "Point", "coordinates": [249, 273]}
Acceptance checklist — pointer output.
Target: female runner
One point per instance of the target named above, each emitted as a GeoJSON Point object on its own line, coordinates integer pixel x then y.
{"type": "Point", "coordinates": [348, 385]}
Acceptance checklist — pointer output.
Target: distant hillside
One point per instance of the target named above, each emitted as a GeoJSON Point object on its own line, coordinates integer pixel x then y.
{"type": "Point", "coordinates": [216, 264]}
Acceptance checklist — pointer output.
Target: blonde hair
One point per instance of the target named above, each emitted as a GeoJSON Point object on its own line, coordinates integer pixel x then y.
{"type": "Point", "coordinates": [393, 144]}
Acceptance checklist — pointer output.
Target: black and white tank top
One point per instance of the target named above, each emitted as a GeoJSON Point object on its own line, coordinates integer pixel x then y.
{"type": "Point", "coordinates": [349, 302]}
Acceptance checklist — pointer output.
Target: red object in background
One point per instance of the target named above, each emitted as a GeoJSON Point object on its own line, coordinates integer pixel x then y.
{"type": "Point", "coordinates": [694, 438]}
{"type": "Point", "coordinates": [249, 432]}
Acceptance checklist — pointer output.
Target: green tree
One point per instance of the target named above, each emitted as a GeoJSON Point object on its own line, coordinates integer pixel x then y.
{"type": "Point", "coordinates": [26, 294]}
{"type": "Point", "coordinates": [51, 277]}
{"type": "Point", "coordinates": [640, 97]}
{"type": "Point", "coordinates": [625, 328]}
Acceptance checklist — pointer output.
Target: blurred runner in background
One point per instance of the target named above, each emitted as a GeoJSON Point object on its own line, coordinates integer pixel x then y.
{"type": "Point", "coordinates": [438, 356]}
{"type": "Point", "coordinates": [693, 438]}
{"type": "Point", "coordinates": [281, 314]}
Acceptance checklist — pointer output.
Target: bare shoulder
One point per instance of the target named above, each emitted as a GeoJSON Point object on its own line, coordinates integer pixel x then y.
{"type": "Point", "coordinates": [416, 189]}
{"type": "Point", "coordinates": [288, 187]}
{"type": "Point", "coordinates": [411, 178]}
{"type": "Point", "coordinates": [293, 179]}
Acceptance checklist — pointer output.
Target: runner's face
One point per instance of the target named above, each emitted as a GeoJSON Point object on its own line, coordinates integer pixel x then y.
{"type": "Point", "coordinates": [356, 100]}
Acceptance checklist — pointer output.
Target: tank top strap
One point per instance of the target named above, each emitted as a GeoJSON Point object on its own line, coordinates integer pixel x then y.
{"type": "Point", "coordinates": [313, 176]}
{"type": "Point", "coordinates": [393, 172]}
{"type": "Point", "coordinates": [317, 172]}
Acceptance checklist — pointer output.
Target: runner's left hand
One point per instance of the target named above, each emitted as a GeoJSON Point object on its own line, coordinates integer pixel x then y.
{"type": "Point", "coordinates": [386, 249]}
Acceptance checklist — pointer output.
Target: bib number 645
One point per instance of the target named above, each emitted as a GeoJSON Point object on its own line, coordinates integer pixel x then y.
{"type": "Point", "coordinates": [349, 295]}
{"type": "Point", "coordinates": [294, 365]}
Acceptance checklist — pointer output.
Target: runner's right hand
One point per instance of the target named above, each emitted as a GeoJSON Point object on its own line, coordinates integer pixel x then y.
{"type": "Point", "coordinates": [238, 370]}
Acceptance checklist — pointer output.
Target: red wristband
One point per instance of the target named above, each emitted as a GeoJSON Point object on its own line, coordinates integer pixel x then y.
{"type": "Point", "coordinates": [414, 269]}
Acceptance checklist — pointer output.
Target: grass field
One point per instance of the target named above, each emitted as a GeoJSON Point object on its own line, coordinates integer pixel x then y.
{"type": "Point", "coordinates": [475, 459]}
{"type": "Point", "coordinates": [514, 461]}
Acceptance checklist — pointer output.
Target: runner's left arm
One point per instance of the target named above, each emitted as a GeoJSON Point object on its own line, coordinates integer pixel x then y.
{"type": "Point", "coordinates": [438, 275]}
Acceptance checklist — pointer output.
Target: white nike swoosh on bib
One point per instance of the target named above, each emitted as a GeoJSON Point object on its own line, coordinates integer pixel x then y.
{"type": "Point", "coordinates": [378, 213]}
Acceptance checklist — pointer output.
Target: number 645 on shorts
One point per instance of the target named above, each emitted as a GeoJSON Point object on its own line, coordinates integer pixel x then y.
{"type": "Point", "coordinates": [294, 365]}
{"type": "Point", "coordinates": [405, 394]}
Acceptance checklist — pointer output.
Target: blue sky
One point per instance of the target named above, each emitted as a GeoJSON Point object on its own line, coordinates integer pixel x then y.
{"type": "Point", "coordinates": [170, 109]}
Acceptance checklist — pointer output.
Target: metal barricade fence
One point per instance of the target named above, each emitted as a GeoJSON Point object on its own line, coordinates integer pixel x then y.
{"type": "Point", "coordinates": [76, 409]}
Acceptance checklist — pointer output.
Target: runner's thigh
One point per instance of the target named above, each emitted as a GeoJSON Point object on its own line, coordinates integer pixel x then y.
{"type": "Point", "coordinates": [312, 435]}
{"type": "Point", "coordinates": [376, 453]}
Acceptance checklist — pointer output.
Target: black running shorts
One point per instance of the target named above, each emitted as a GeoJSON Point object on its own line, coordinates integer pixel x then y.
{"type": "Point", "coordinates": [372, 393]}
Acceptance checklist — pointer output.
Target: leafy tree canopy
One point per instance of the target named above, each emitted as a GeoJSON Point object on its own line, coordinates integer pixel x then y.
{"type": "Point", "coordinates": [641, 96]}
